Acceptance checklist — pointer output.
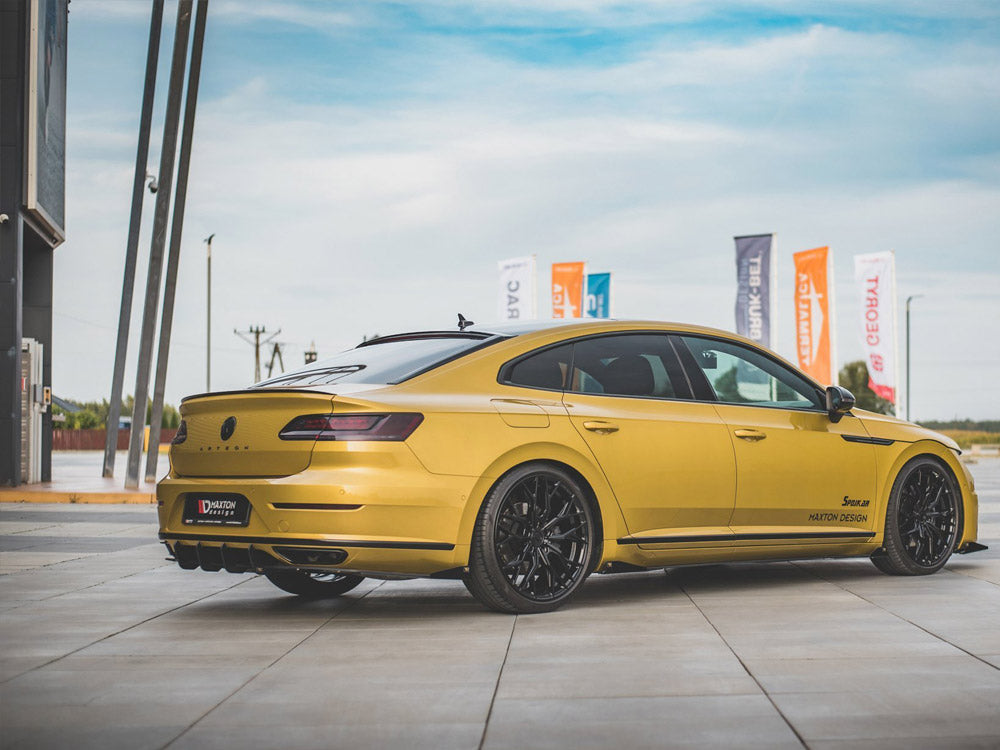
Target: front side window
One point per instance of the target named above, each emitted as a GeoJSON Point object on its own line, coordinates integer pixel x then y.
{"type": "Point", "coordinates": [739, 375]}
{"type": "Point", "coordinates": [642, 365]}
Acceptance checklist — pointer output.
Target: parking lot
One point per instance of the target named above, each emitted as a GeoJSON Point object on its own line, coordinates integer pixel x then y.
{"type": "Point", "coordinates": [105, 644]}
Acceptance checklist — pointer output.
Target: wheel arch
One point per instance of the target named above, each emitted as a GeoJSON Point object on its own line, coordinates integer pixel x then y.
{"type": "Point", "coordinates": [607, 514]}
{"type": "Point", "coordinates": [932, 449]}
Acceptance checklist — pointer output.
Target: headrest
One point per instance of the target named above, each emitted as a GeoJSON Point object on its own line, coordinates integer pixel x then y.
{"type": "Point", "coordinates": [630, 375]}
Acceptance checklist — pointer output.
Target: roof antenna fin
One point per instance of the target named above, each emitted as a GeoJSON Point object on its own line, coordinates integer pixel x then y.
{"type": "Point", "coordinates": [463, 323]}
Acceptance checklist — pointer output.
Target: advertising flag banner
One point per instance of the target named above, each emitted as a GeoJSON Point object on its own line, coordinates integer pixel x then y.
{"type": "Point", "coordinates": [598, 295]}
{"type": "Point", "coordinates": [813, 314]}
{"type": "Point", "coordinates": [754, 287]}
{"type": "Point", "coordinates": [567, 289]}
{"type": "Point", "coordinates": [517, 289]}
{"type": "Point", "coordinates": [875, 277]}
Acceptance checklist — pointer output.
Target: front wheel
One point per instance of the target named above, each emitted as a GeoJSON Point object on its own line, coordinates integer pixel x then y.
{"type": "Point", "coordinates": [311, 584]}
{"type": "Point", "coordinates": [533, 541]}
{"type": "Point", "coordinates": [921, 522]}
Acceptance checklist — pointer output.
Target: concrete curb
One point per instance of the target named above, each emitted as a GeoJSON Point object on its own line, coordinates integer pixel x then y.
{"type": "Point", "coordinates": [20, 495]}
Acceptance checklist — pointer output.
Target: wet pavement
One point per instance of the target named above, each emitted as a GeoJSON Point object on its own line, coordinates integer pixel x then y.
{"type": "Point", "coordinates": [105, 644]}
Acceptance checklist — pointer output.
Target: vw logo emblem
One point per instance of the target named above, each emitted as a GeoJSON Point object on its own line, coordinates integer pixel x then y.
{"type": "Point", "coordinates": [228, 427]}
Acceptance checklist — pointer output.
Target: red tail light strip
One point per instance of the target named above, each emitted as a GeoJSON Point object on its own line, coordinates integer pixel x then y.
{"type": "Point", "coordinates": [396, 426]}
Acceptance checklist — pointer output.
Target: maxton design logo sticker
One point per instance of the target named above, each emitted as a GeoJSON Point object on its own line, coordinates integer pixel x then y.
{"type": "Point", "coordinates": [847, 502]}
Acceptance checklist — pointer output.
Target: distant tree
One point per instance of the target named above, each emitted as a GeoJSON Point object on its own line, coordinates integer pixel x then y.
{"type": "Point", "coordinates": [171, 418]}
{"type": "Point", "coordinates": [94, 414]}
{"type": "Point", "coordinates": [854, 377]}
{"type": "Point", "coordinates": [969, 425]}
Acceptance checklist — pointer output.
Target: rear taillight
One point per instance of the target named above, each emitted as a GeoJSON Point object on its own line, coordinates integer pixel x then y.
{"type": "Point", "coordinates": [181, 435]}
{"type": "Point", "coordinates": [397, 426]}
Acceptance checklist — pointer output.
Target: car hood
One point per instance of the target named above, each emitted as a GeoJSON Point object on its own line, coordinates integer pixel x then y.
{"type": "Point", "coordinates": [891, 428]}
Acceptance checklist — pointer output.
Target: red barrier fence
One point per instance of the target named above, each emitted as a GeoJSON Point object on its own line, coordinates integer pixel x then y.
{"type": "Point", "coordinates": [93, 440]}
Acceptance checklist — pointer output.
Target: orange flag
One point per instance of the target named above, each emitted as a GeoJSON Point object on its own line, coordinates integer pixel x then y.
{"type": "Point", "coordinates": [813, 314]}
{"type": "Point", "coordinates": [567, 289]}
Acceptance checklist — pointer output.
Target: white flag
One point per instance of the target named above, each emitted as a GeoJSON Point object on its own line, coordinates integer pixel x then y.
{"type": "Point", "coordinates": [517, 289]}
{"type": "Point", "coordinates": [875, 277]}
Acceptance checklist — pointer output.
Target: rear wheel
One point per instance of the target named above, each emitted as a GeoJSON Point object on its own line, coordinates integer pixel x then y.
{"type": "Point", "coordinates": [921, 523]}
{"type": "Point", "coordinates": [533, 540]}
{"type": "Point", "coordinates": [311, 584]}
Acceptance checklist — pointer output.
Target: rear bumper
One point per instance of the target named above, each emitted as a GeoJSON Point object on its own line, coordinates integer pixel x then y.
{"type": "Point", "coordinates": [393, 523]}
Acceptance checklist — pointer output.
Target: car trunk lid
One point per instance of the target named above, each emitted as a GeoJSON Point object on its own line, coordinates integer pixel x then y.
{"type": "Point", "coordinates": [236, 434]}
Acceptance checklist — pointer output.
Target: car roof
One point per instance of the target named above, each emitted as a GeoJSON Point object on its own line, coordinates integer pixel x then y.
{"type": "Point", "coordinates": [511, 329]}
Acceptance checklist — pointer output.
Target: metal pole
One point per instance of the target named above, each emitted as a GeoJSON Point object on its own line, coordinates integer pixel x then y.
{"type": "Point", "coordinates": [208, 317]}
{"type": "Point", "coordinates": [132, 248]}
{"type": "Point", "coordinates": [173, 259]}
{"type": "Point", "coordinates": [159, 236]}
{"type": "Point", "coordinates": [911, 297]}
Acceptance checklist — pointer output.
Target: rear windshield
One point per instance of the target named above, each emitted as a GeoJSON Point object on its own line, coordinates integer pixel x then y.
{"type": "Point", "coordinates": [382, 363]}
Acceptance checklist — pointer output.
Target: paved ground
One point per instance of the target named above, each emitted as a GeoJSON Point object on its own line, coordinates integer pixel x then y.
{"type": "Point", "coordinates": [103, 644]}
{"type": "Point", "coordinates": [76, 478]}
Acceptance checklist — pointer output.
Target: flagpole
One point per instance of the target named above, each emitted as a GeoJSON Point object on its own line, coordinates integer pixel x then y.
{"type": "Point", "coordinates": [534, 287]}
{"type": "Point", "coordinates": [895, 336]}
{"type": "Point", "coordinates": [831, 291]}
{"type": "Point", "coordinates": [773, 294]}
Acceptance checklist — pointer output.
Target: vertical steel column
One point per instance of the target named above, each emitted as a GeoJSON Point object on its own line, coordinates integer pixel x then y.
{"type": "Point", "coordinates": [909, 416]}
{"type": "Point", "coordinates": [173, 259]}
{"type": "Point", "coordinates": [166, 177]}
{"type": "Point", "coordinates": [132, 248]}
{"type": "Point", "coordinates": [208, 315]}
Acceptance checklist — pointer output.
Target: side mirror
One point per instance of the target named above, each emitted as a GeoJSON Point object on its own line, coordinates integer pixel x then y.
{"type": "Point", "coordinates": [839, 401]}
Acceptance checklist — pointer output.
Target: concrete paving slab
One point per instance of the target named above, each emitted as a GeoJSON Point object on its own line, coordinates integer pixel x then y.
{"type": "Point", "coordinates": [663, 722]}
{"type": "Point", "coordinates": [347, 734]}
{"type": "Point", "coordinates": [943, 712]}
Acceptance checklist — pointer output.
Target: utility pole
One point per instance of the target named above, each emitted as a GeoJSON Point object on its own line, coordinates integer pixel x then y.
{"type": "Point", "coordinates": [311, 353]}
{"type": "Point", "coordinates": [909, 416]}
{"type": "Point", "coordinates": [208, 316]}
{"type": "Point", "coordinates": [256, 332]}
{"type": "Point", "coordinates": [276, 353]}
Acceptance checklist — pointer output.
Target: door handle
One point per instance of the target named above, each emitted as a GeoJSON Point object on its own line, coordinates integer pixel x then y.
{"type": "Point", "coordinates": [601, 428]}
{"type": "Point", "coordinates": [752, 435]}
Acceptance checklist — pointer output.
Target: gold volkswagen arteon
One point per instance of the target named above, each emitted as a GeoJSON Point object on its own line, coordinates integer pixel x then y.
{"type": "Point", "coordinates": [521, 458]}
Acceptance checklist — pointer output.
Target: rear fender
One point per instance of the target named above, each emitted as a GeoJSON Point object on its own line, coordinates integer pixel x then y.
{"type": "Point", "coordinates": [611, 516]}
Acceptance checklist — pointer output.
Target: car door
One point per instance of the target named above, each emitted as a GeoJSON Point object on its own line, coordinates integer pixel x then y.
{"type": "Point", "coordinates": [800, 476]}
{"type": "Point", "coordinates": [668, 458]}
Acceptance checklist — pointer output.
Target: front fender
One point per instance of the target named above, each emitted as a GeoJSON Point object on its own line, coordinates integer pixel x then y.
{"type": "Point", "coordinates": [891, 461]}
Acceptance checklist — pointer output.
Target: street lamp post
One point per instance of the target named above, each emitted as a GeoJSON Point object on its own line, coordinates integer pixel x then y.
{"type": "Point", "coordinates": [208, 315]}
{"type": "Point", "coordinates": [909, 415]}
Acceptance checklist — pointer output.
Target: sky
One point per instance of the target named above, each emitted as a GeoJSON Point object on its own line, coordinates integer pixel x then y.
{"type": "Point", "coordinates": [364, 165]}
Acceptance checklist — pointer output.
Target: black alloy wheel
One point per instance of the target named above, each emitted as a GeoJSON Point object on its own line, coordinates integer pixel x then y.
{"type": "Point", "coordinates": [312, 584]}
{"type": "Point", "coordinates": [921, 525]}
{"type": "Point", "coordinates": [533, 541]}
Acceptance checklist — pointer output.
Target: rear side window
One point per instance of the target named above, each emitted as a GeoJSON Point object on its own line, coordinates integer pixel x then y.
{"type": "Point", "coordinates": [546, 369]}
{"type": "Point", "coordinates": [642, 365]}
{"type": "Point", "coordinates": [388, 362]}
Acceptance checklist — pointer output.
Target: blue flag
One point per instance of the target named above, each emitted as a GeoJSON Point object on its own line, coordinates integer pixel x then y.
{"type": "Point", "coordinates": [598, 295]}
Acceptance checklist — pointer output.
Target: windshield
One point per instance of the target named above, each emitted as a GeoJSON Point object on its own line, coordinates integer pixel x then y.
{"type": "Point", "coordinates": [382, 363]}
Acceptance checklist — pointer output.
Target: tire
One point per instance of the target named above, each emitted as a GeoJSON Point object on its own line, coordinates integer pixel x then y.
{"type": "Point", "coordinates": [313, 585]}
{"type": "Point", "coordinates": [921, 521]}
{"type": "Point", "coordinates": [533, 541]}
